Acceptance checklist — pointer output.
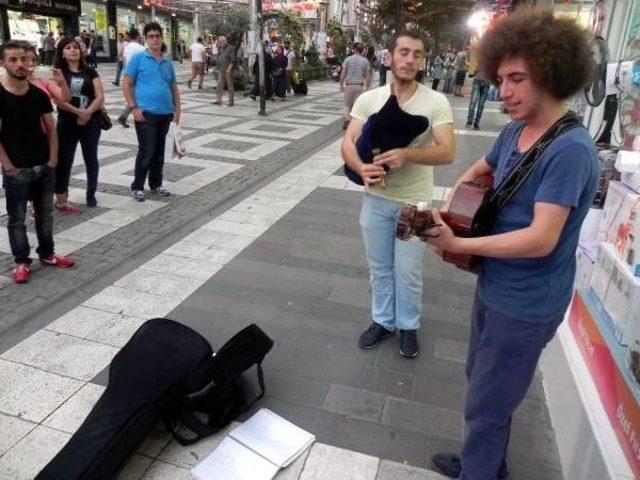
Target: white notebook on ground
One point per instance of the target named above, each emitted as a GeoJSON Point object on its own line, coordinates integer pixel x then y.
{"type": "Point", "coordinates": [255, 450]}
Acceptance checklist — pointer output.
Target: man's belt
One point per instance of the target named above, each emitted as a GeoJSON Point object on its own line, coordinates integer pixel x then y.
{"type": "Point", "coordinates": [355, 83]}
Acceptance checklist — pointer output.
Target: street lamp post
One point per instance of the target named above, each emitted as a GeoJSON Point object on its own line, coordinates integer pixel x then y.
{"type": "Point", "coordinates": [256, 29]}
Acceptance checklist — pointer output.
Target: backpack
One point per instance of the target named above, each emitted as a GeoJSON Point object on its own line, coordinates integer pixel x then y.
{"type": "Point", "coordinates": [167, 372]}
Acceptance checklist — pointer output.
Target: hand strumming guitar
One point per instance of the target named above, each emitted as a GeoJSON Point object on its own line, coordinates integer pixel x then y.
{"type": "Point", "coordinates": [441, 238]}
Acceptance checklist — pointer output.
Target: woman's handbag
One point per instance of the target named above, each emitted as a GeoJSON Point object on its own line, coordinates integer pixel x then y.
{"type": "Point", "coordinates": [103, 119]}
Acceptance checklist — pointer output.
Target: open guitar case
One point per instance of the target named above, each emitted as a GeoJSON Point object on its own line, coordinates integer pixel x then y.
{"type": "Point", "coordinates": [164, 370]}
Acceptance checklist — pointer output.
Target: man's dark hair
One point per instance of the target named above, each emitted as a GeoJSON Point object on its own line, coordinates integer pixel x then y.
{"type": "Point", "coordinates": [151, 26]}
{"type": "Point", "coordinates": [357, 47]}
{"type": "Point", "coordinates": [287, 43]}
{"type": "Point", "coordinates": [134, 34]}
{"type": "Point", "coordinates": [199, 40]}
{"type": "Point", "coordinates": [60, 62]}
{"type": "Point", "coordinates": [407, 33]}
{"type": "Point", "coordinates": [556, 50]}
{"type": "Point", "coordinates": [11, 45]}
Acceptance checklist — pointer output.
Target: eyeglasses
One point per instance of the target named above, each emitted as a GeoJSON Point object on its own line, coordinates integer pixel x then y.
{"type": "Point", "coordinates": [154, 35]}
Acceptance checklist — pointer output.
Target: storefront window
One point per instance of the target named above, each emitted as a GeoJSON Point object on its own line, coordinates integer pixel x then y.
{"type": "Point", "coordinates": [579, 10]}
{"type": "Point", "coordinates": [128, 18]}
{"type": "Point", "coordinates": [26, 26]}
{"type": "Point", "coordinates": [165, 23]}
{"type": "Point", "coordinates": [93, 19]}
{"type": "Point", "coordinates": [185, 32]}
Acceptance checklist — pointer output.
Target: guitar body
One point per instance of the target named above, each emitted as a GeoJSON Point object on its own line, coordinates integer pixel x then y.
{"type": "Point", "coordinates": [462, 217]}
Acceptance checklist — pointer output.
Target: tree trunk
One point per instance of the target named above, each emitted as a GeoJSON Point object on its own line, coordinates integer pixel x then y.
{"type": "Point", "coordinates": [399, 20]}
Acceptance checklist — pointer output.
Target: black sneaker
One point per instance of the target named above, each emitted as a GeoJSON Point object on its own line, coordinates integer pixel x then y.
{"type": "Point", "coordinates": [409, 343]}
{"type": "Point", "coordinates": [476, 126]}
{"type": "Point", "coordinates": [91, 201]}
{"type": "Point", "coordinates": [467, 125]}
{"type": "Point", "coordinates": [447, 464]}
{"type": "Point", "coordinates": [373, 335]}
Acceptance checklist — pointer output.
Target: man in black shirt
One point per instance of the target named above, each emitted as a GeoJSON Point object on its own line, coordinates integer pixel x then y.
{"type": "Point", "coordinates": [28, 155]}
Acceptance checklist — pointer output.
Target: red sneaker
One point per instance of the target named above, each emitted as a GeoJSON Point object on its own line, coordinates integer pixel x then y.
{"type": "Point", "coordinates": [54, 260]}
{"type": "Point", "coordinates": [67, 208]}
{"type": "Point", "coordinates": [21, 273]}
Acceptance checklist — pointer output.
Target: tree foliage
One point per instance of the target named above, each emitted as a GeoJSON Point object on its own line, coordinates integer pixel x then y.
{"type": "Point", "coordinates": [444, 21]}
{"type": "Point", "coordinates": [290, 27]}
{"type": "Point", "coordinates": [340, 38]}
{"type": "Point", "coordinates": [231, 22]}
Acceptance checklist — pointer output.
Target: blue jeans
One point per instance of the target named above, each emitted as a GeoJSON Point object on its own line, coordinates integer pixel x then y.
{"type": "Point", "coordinates": [448, 85]}
{"type": "Point", "coordinates": [478, 97]}
{"type": "Point", "coordinates": [35, 185]}
{"type": "Point", "coordinates": [150, 159]}
{"type": "Point", "coordinates": [395, 266]}
{"type": "Point", "coordinates": [502, 359]}
{"type": "Point", "coordinates": [69, 134]}
{"type": "Point", "coordinates": [119, 67]}
{"type": "Point", "coordinates": [383, 75]}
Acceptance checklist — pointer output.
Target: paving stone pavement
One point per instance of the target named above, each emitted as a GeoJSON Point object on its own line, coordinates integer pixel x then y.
{"type": "Point", "coordinates": [272, 238]}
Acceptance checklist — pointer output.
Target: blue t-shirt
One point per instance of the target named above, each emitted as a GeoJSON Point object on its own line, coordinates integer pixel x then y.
{"type": "Point", "coordinates": [539, 289]}
{"type": "Point", "coordinates": [152, 81]}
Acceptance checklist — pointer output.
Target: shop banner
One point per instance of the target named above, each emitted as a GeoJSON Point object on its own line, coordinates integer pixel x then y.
{"type": "Point", "coordinates": [616, 396]}
{"type": "Point", "coordinates": [58, 7]}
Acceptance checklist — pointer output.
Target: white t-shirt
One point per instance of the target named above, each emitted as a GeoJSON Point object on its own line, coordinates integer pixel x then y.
{"type": "Point", "coordinates": [197, 52]}
{"type": "Point", "coordinates": [412, 182]}
{"type": "Point", "coordinates": [130, 50]}
{"type": "Point", "coordinates": [291, 57]}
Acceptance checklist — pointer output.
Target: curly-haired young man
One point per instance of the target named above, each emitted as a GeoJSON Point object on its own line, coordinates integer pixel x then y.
{"type": "Point", "coordinates": [528, 269]}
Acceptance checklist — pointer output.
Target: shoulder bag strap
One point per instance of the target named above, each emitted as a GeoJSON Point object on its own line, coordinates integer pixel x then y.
{"type": "Point", "coordinates": [519, 174]}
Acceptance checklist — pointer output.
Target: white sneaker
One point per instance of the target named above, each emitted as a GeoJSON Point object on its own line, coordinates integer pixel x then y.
{"type": "Point", "coordinates": [163, 192]}
{"type": "Point", "coordinates": [138, 195]}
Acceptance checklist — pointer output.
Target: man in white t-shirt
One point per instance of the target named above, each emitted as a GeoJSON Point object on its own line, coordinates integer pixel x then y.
{"type": "Point", "coordinates": [130, 50]}
{"type": "Point", "coordinates": [198, 53]}
{"type": "Point", "coordinates": [395, 266]}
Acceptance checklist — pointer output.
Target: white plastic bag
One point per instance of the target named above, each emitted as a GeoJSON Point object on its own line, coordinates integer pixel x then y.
{"type": "Point", "coordinates": [174, 145]}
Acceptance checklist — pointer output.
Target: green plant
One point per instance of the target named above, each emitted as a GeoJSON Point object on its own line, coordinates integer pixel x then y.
{"type": "Point", "coordinates": [339, 38]}
{"type": "Point", "coordinates": [232, 23]}
{"type": "Point", "coordinates": [313, 57]}
{"type": "Point", "coordinates": [290, 28]}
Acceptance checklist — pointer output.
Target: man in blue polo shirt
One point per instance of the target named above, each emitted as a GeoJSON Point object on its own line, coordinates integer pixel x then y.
{"type": "Point", "coordinates": [151, 92]}
{"type": "Point", "coordinates": [528, 268]}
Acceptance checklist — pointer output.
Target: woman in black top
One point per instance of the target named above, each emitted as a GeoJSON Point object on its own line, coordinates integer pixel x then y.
{"type": "Point", "coordinates": [268, 71]}
{"type": "Point", "coordinates": [77, 122]}
{"type": "Point", "coordinates": [279, 67]}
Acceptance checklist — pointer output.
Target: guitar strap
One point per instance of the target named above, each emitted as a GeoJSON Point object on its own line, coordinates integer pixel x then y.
{"type": "Point", "coordinates": [499, 197]}
{"type": "Point", "coordinates": [519, 174]}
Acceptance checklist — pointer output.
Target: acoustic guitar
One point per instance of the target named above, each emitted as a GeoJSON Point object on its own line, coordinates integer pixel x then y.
{"type": "Point", "coordinates": [464, 217]}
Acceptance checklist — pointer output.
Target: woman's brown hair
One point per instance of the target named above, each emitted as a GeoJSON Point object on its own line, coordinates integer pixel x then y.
{"type": "Point", "coordinates": [60, 62]}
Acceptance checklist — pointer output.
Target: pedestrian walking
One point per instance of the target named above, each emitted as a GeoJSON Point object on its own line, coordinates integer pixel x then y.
{"type": "Point", "coordinates": [449, 72]}
{"type": "Point", "coordinates": [77, 123]}
{"type": "Point", "coordinates": [226, 66]}
{"type": "Point", "coordinates": [40, 46]}
{"type": "Point", "coordinates": [151, 92]}
{"type": "Point", "coordinates": [120, 46]}
{"type": "Point", "coordinates": [355, 74]}
{"type": "Point", "coordinates": [382, 58]}
{"type": "Point", "coordinates": [49, 48]}
{"type": "Point", "coordinates": [279, 76]}
{"type": "Point", "coordinates": [180, 46]}
{"type": "Point", "coordinates": [198, 53]}
{"type": "Point", "coordinates": [29, 155]}
{"type": "Point", "coordinates": [437, 71]}
{"type": "Point", "coordinates": [528, 256]}
{"type": "Point", "coordinates": [479, 94]}
{"type": "Point", "coordinates": [133, 47]}
{"type": "Point", "coordinates": [291, 63]}
{"type": "Point", "coordinates": [395, 266]}
{"type": "Point", "coordinates": [461, 61]}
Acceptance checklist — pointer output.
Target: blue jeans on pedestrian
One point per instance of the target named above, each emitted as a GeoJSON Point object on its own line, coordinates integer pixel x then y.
{"type": "Point", "coordinates": [448, 85]}
{"type": "Point", "coordinates": [119, 67]}
{"type": "Point", "coordinates": [36, 185]}
{"type": "Point", "coordinates": [383, 75]}
{"type": "Point", "coordinates": [69, 134]}
{"type": "Point", "coordinates": [479, 94]}
{"type": "Point", "coordinates": [395, 266]}
{"type": "Point", "coordinates": [150, 159]}
{"type": "Point", "coordinates": [501, 362]}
